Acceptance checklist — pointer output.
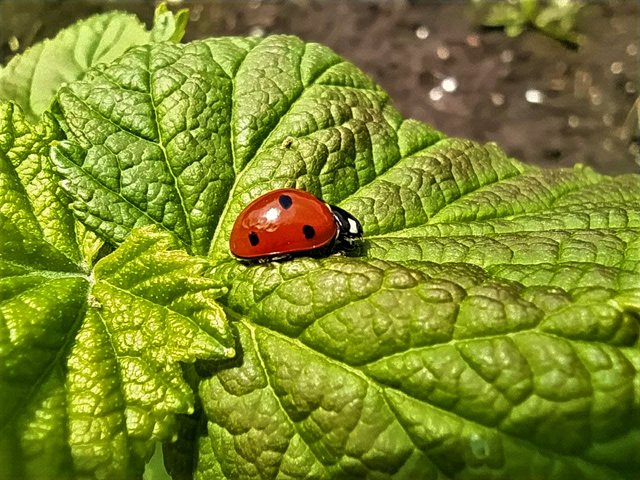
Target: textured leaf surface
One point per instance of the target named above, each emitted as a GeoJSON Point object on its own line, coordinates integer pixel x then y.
{"type": "Point", "coordinates": [149, 309]}
{"type": "Point", "coordinates": [93, 364]}
{"type": "Point", "coordinates": [489, 330]}
{"type": "Point", "coordinates": [417, 369]}
{"type": "Point", "coordinates": [42, 296]}
{"type": "Point", "coordinates": [90, 374]}
{"type": "Point", "coordinates": [32, 79]}
{"type": "Point", "coordinates": [26, 148]}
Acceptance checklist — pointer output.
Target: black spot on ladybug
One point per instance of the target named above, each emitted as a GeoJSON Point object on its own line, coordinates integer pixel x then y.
{"type": "Point", "coordinates": [309, 232]}
{"type": "Point", "coordinates": [253, 239]}
{"type": "Point", "coordinates": [285, 201]}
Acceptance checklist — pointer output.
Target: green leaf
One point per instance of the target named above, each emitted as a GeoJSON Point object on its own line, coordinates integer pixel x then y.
{"type": "Point", "coordinates": [169, 145]}
{"type": "Point", "coordinates": [555, 18]}
{"type": "Point", "coordinates": [90, 360]}
{"type": "Point", "coordinates": [489, 329]}
{"type": "Point", "coordinates": [361, 367]}
{"type": "Point", "coordinates": [155, 469]}
{"type": "Point", "coordinates": [26, 148]}
{"type": "Point", "coordinates": [513, 17]}
{"type": "Point", "coordinates": [167, 26]}
{"type": "Point", "coordinates": [558, 20]}
{"type": "Point", "coordinates": [105, 351]}
{"type": "Point", "coordinates": [32, 79]}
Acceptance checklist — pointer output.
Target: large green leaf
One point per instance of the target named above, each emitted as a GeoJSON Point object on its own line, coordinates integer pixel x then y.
{"type": "Point", "coordinates": [488, 330]}
{"type": "Point", "coordinates": [32, 79]}
{"type": "Point", "coordinates": [363, 367]}
{"type": "Point", "coordinates": [90, 358]}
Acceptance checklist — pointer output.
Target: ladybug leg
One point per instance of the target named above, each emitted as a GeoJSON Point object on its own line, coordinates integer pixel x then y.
{"type": "Point", "coordinates": [278, 258]}
{"type": "Point", "coordinates": [263, 260]}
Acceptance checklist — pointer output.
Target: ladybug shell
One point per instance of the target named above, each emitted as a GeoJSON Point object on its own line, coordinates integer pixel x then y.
{"type": "Point", "coordinates": [281, 222]}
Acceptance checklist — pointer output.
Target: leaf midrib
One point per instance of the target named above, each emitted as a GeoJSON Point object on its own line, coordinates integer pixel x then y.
{"type": "Point", "coordinates": [157, 305]}
{"type": "Point", "coordinates": [256, 347]}
{"type": "Point", "coordinates": [165, 156]}
{"type": "Point", "coordinates": [119, 195]}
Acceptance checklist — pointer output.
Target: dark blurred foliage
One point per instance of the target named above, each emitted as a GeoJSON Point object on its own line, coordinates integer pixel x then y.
{"type": "Point", "coordinates": [556, 18]}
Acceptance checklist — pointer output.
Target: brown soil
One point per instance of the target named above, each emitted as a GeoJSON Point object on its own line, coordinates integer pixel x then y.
{"type": "Point", "coordinates": [586, 93]}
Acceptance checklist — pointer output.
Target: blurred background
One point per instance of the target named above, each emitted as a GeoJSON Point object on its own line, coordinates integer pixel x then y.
{"type": "Point", "coordinates": [554, 82]}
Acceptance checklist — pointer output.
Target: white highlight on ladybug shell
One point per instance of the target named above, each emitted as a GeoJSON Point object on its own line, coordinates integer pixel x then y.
{"type": "Point", "coordinates": [353, 226]}
{"type": "Point", "coordinates": [272, 214]}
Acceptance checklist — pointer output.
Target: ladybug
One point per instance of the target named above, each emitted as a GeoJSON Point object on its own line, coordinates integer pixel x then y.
{"type": "Point", "coordinates": [288, 222]}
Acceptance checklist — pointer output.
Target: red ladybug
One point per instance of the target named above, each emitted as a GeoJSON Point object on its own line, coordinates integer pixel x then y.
{"type": "Point", "coordinates": [288, 222]}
